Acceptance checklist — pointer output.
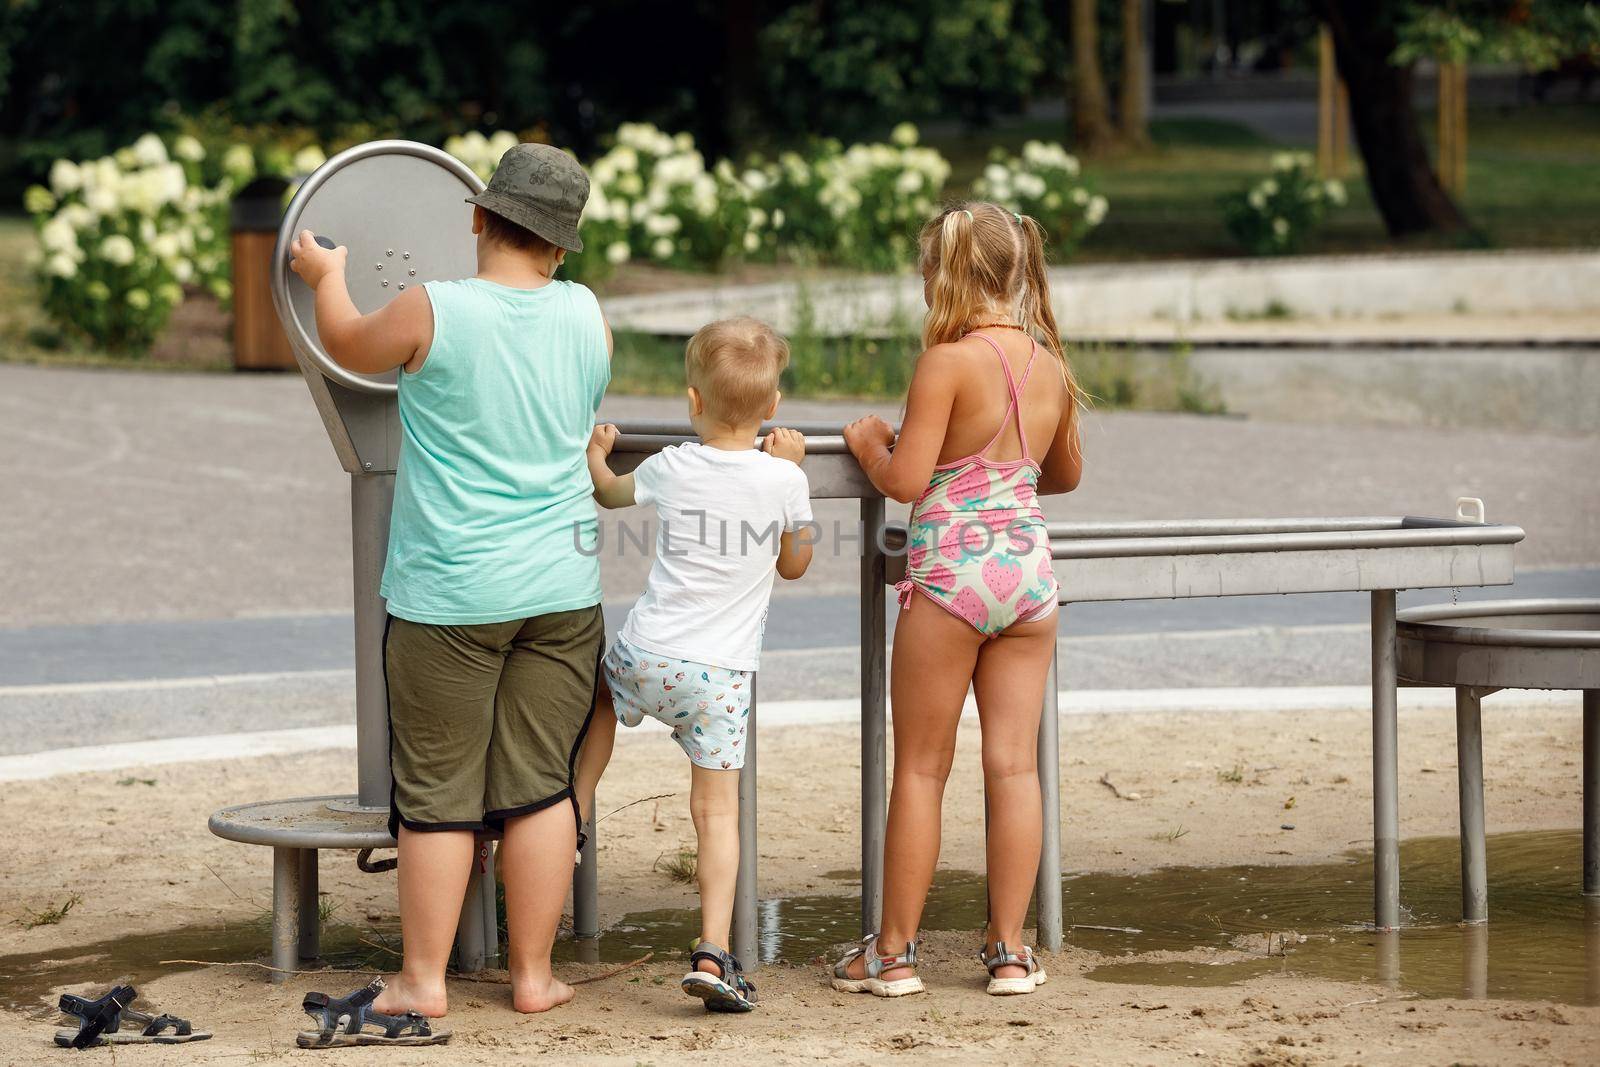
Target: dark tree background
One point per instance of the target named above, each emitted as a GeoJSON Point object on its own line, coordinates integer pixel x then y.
{"type": "Point", "coordinates": [81, 77]}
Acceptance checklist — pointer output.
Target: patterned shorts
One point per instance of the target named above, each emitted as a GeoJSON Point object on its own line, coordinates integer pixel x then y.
{"type": "Point", "coordinates": [705, 706]}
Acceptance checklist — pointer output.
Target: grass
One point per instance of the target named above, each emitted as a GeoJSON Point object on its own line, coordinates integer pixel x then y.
{"type": "Point", "coordinates": [1170, 837]}
{"type": "Point", "coordinates": [1530, 183]}
{"type": "Point", "coordinates": [680, 866]}
{"type": "Point", "coordinates": [1233, 775]}
{"type": "Point", "coordinates": [50, 915]}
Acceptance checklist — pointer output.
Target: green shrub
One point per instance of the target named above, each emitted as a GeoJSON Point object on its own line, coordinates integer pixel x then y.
{"type": "Point", "coordinates": [1279, 214]}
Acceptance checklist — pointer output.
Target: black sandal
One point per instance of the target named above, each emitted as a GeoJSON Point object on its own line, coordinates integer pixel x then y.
{"type": "Point", "coordinates": [343, 1021]}
{"type": "Point", "coordinates": [731, 992]}
{"type": "Point", "coordinates": [100, 1022]}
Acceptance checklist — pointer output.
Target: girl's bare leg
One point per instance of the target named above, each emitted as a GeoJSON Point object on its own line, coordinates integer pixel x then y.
{"type": "Point", "coordinates": [934, 656]}
{"type": "Point", "coordinates": [595, 753]}
{"type": "Point", "coordinates": [1009, 686]}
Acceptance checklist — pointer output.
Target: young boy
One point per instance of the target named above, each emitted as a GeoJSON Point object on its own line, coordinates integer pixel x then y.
{"type": "Point", "coordinates": [729, 517]}
{"type": "Point", "coordinates": [495, 629]}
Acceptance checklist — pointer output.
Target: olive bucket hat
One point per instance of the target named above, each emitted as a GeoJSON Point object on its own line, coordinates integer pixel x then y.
{"type": "Point", "coordinates": [540, 188]}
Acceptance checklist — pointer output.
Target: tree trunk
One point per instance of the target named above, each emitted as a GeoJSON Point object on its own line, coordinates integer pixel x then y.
{"type": "Point", "coordinates": [1404, 187]}
{"type": "Point", "coordinates": [1091, 118]}
{"type": "Point", "coordinates": [1132, 107]}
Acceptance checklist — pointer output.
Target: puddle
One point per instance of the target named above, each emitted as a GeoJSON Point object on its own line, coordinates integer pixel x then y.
{"type": "Point", "coordinates": [1223, 924]}
{"type": "Point", "coordinates": [1542, 941]}
{"type": "Point", "coordinates": [26, 981]}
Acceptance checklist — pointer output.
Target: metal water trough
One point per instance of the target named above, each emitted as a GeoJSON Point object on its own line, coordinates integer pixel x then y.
{"type": "Point", "coordinates": [1100, 561]}
{"type": "Point", "coordinates": [1507, 644]}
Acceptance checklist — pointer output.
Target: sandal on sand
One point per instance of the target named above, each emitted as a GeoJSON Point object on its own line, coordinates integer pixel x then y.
{"type": "Point", "coordinates": [729, 992]}
{"type": "Point", "coordinates": [343, 1021]}
{"type": "Point", "coordinates": [100, 1022]}
{"type": "Point", "coordinates": [873, 981]}
{"type": "Point", "coordinates": [1004, 957]}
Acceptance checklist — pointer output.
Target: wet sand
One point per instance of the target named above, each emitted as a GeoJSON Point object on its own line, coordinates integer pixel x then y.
{"type": "Point", "coordinates": [141, 862]}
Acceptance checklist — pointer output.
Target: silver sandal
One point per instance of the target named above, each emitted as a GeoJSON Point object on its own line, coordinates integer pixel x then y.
{"type": "Point", "coordinates": [1004, 957]}
{"type": "Point", "coordinates": [873, 981]}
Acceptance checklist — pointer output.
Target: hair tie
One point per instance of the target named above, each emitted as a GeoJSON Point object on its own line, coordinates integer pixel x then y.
{"type": "Point", "coordinates": [967, 213]}
{"type": "Point", "coordinates": [1018, 217]}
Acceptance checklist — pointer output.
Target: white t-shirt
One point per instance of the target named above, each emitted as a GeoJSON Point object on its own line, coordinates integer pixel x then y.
{"type": "Point", "coordinates": [719, 516]}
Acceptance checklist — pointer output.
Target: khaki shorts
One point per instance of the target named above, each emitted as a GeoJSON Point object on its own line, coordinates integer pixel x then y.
{"type": "Point", "coordinates": [485, 721]}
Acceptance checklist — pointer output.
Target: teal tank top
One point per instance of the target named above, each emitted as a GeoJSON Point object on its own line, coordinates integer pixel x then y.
{"type": "Point", "coordinates": [493, 514]}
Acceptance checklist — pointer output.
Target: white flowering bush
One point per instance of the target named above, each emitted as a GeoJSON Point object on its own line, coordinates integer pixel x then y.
{"type": "Point", "coordinates": [1044, 182]}
{"type": "Point", "coordinates": [1279, 213]}
{"type": "Point", "coordinates": [880, 195]}
{"type": "Point", "coordinates": [481, 152]}
{"type": "Point", "coordinates": [119, 237]}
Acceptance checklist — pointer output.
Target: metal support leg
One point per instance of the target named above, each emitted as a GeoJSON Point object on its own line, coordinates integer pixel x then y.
{"type": "Point", "coordinates": [1469, 786]}
{"type": "Point", "coordinates": [1385, 766]}
{"type": "Point", "coordinates": [1047, 890]}
{"type": "Point", "coordinates": [874, 716]}
{"type": "Point", "coordinates": [310, 907]}
{"type": "Point", "coordinates": [285, 912]}
{"type": "Point", "coordinates": [746, 947]}
{"type": "Point", "coordinates": [371, 502]}
{"type": "Point", "coordinates": [586, 889]}
{"type": "Point", "coordinates": [478, 932]}
{"type": "Point", "coordinates": [1591, 792]}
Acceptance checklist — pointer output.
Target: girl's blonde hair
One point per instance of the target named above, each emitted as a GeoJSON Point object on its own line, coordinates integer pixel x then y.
{"type": "Point", "coordinates": [981, 259]}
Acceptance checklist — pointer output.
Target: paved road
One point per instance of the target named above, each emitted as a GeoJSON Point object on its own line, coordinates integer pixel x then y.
{"type": "Point", "coordinates": [173, 528]}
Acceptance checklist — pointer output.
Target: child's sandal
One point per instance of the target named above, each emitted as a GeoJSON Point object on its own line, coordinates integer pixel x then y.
{"type": "Point", "coordinates": [729, 992]}
{"type": "Point", "coordinates": [872, 980]}
{"type": "Point", "coordinates": [1004, 957]}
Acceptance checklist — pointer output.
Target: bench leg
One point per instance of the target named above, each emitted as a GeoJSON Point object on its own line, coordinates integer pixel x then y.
{"type": "Point", "coordinates": [310, 907]}
{"type": "Point", "coordinates": [1469, 788]}
{"type": "Point", "coordinates": [1385, 766]}
{"type": "Point", "coordinates": [745, 948]}
{"type": "Point", "coordinates": [1591, 792]}
{"type": "Point", "coordinates": [1047, 889]}
{"type": "Point", "coordinates": [286, 910]}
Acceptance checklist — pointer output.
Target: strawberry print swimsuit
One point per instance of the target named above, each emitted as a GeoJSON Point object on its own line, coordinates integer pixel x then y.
{"type": "Point", "coordinates": [978, 545]}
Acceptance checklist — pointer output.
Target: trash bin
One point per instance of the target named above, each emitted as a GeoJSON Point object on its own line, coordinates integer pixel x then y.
{"type": "Point", "coordinates": [259, 342]}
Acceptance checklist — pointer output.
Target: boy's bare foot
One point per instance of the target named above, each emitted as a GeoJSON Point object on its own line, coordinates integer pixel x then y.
{"type": "Point", "coordinates": [401, 995]}
{"type": "Point", "coordinates": [531, 996]}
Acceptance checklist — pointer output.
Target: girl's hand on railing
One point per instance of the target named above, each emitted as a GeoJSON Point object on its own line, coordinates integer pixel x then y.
{"type": "Point", "coordinates": [867, 433]}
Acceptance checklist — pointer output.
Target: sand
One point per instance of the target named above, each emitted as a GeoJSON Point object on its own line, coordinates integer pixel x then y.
{"type": "Point", "coordinates": [142, 862]}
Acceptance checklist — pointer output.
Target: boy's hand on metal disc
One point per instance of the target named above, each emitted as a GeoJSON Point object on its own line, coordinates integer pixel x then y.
{"type": "Point", "coordinates": [786, 444]}
{"type": "Point", "coordinates": [313, 262]}
{"type": "Point", "coordinates": [604, 439]}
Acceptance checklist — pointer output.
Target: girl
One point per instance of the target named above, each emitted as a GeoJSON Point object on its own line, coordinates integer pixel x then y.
{"type": "Point", "coordinates": [979, 597]}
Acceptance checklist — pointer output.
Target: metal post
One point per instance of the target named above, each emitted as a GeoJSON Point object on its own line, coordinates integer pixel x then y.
{"type": "Point", "coordinates": [1591, 948]}
{"type": "Point", "coordinates": [746, 946]}
{"type": "Point", "coordinates": [310, 906]}
{"type": "Point", "coordinates": [874, 714]}
{"type": "Point", "coordinates": [478, 933]}
{"type": "Point", "coordinates": [1385, 766]}
{"type": "Point", "coordinates": [1047, 889]}
{"type": "Point", "coordinates": [371, 501]}
{"type": "Point", "coordinates": [586, 889]}
{"type": "Point", "coordinates": [285, 912]}
{"type": "Point", "coordinates": [1469, 787]}
{"type": "Point", "coordinates": [1591, 792]}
